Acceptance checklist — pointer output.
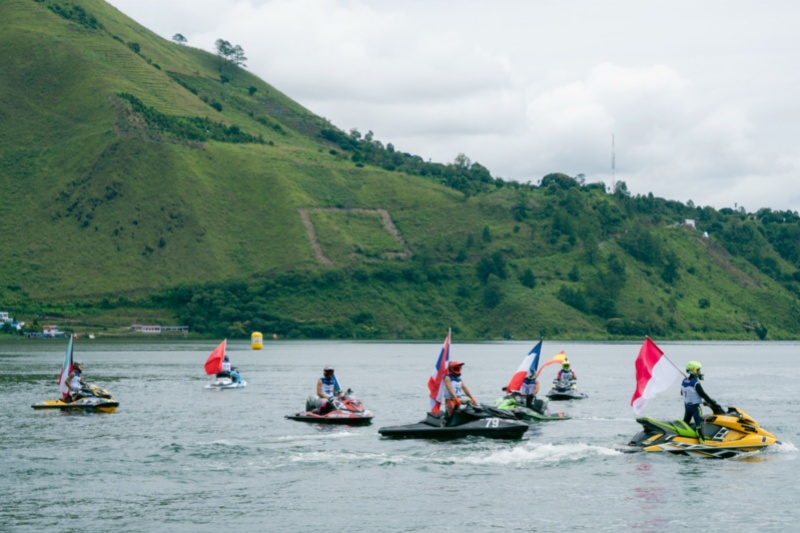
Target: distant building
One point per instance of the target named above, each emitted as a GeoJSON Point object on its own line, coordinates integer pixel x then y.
{"type": "Point", "coordinates": [52, 331]}
{"type": "Point", "coordinates": [158, 330]}
{"type": "Point", "coordinates": [4, 316]}
{"type": "Point", "coordinates": [689, 222]}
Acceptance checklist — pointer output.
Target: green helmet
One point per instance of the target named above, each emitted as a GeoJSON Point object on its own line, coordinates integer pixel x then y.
{"type": "Point", "coordinates": [565, 365]}
{"type": "Point", "coordinates": [693, 367]}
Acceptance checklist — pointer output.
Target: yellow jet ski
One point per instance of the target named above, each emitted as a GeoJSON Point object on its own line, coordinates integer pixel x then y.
{"type": "Point", "coordinates": [724, 434]}
{"type": "Point", "coordinates": [90, 398]}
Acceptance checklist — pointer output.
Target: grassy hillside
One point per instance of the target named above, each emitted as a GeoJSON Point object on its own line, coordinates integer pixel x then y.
{"type": "Point", "coordinates": [141, 180]}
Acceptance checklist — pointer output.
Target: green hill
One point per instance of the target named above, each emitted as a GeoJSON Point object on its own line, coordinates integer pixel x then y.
{"type": "Point", "coordinates": [142, 180]}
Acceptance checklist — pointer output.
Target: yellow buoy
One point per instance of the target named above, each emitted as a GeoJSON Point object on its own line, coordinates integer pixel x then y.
{"type": "Point", "coordinates": [256, 340]}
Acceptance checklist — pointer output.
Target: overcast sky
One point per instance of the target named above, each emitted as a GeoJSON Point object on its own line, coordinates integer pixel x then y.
{"type": "Point", "coordinates": [701, 97]}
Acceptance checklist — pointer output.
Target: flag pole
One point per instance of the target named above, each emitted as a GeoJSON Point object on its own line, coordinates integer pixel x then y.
{"type": "Point", "coordinates": [665, 355]}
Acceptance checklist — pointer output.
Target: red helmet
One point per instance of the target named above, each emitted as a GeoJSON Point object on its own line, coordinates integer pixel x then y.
{"type": "Point", "coordinates": [455, 367]}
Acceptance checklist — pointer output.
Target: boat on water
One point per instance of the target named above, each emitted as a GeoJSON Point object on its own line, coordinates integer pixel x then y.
{"type": "Point", "coordinates": [345, 409]}
{"type": "Point", "coordinates": [565, 389]}
{"type": "Point", "coordinates": [520, 398]}
{"type": "Point", "coordinates": [224, 379]}
{"type": "Point", "coordinates": [89, 398]}
{"type": "Point", "coordinates": [232, 381]}
{"type": "Point", "coordinates": [724, 434]}
{"type": "Point", "coordinates": [467, 421]}
{"type": "Point", "coordinates": [537, 412]}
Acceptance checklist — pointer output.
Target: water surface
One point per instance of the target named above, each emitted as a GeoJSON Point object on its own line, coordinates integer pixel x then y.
{"type": "Point", "coordinates": [179, 457]}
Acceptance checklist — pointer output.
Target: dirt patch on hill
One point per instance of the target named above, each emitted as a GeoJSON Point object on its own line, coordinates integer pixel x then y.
{"type": "Point", "coordinates": [386, 219]}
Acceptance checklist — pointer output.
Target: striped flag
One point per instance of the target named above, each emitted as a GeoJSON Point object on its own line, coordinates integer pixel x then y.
{"type": "Point", "coordinates": [435, 381]}
{"type": "Point", "coordinates": [655, 372]}
{"type": "Point", "coordinates": [528, 366]}
{"type": "Point", "coordinates": [66, 368]}
{"type": "Point", "coordinates": [559, 358]}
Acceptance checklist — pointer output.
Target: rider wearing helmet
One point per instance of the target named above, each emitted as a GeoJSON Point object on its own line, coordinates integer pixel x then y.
{"type": "Point", "coordinates": [566, 372]}
{"type": "Point", "coordinates": [693, 394]}
{"type": "Point", "coordinates": [454, 388]}
{"type": "Point", "coordinates": [74, 381]}
{"type": "Point", "coordinates": [327, 388]}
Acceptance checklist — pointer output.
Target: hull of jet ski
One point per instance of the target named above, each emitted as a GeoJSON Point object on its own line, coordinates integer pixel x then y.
{"type": "Point", "coordinates": [724, 435]}
{"type": "Point", "coordinates": [489, 423]}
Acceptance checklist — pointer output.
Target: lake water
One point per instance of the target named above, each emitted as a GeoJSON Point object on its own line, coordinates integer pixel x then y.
{"type": "Point", "coordinates": [179, 457]}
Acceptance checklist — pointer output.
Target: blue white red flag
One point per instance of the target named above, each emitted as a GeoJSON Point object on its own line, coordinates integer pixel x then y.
{"type": "Point", "coordinates": [655, 373]}
{"type": "Point", "coordinates": [66, 368]}
{"type": "Point", "coordinates": [528, 366]}
{"type": "Point", "coordinates": [436, 381]}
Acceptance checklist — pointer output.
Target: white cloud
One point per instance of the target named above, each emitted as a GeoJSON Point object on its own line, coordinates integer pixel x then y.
{"type": "Point", "coordinates": [701, 99]}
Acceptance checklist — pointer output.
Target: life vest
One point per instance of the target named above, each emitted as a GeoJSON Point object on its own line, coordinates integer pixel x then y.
{"type": "Point", "coordinates": [75, 383]}
{"type": "Point", "coordinates": [569, 373]}
{"type": "Point", "coordinates": [455, 382]}
{"type": "Point", "coordinates": [226, 366]}
{"type": "Point", "coordinates": [689, 391]}
{"type": "Point", "coordinates": [527, 387]}
{"type": "Point", "coordinates": [328, 386]}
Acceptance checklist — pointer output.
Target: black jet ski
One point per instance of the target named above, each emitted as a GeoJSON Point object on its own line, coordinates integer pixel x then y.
{"type": "Point", "coordinates": [89, 398]}
{"type": "Point", "coordinates": [538, 411]}
{"type": "Point", "coordinates": [467, 421]}
{"type": "Point", "coordinates": [725, 434]}
{"type": "Point", "coordinates": [565, 389]}
{"type": "Point", "coordinates": [344, 409]}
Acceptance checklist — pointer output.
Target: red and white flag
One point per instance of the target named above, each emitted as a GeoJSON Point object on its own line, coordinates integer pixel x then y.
{"type": "Point", "coordinates": [435, 382]}
{"type": "Point", "coordinates": [655, 373]}
{"type": "Point", "coordinates": [66, 368]}
{"type": "Point", "coordinates": [214, 361]}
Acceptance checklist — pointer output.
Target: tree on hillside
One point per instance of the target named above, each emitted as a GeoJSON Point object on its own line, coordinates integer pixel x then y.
{"type": "Point", "coordinates": [229, 53]}
{"type": "Point", "coordinates": [179, 39]}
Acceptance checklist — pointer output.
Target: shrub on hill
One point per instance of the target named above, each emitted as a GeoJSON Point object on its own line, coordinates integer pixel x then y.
{"type": "Point", "coordinates": [189, 128]}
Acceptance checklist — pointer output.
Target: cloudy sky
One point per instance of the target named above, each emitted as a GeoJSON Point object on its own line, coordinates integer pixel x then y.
{"type": "Point", "coordinates": [700, 96]}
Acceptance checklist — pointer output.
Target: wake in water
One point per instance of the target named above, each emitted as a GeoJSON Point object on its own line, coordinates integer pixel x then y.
{"type": "Point", "coordinates": [535, 452]}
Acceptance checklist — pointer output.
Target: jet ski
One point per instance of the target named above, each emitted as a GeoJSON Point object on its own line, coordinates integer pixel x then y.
{"type": "Point", "coordinates": [344, 409]}
{"type": "Point", "coordinates": [228, 380]}
{"type": "Point", "coordinates": [538, 411]}
{"type": "Point", "coordinates": [565, 389]}
{"type": "Point", "coordinates": [89, 398]}
{"type": "Point", "coordinates": [467, 421]}
{"type": "Point", "coordinates": [725, 434]}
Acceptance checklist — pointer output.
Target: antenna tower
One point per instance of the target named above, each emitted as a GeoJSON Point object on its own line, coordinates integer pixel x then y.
{"type": "Point", "coordinates": [613, 165]}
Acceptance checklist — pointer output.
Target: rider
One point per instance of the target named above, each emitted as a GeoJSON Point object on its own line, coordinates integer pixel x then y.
{"type": "Point", "coordinates": [75, 381]}
{"type": "Point", "coordinates": [529, 390]}
{"type": "Point", "coordinates": [693, 393]}
{"type": "Point", "coordinates": [226, 368]}
{"type": "Point", "coordinates": [566, 373]}
{"type": "Point", "coordinates": [327, 388]}
{"type": "Point", "coordinates": [454, 389]}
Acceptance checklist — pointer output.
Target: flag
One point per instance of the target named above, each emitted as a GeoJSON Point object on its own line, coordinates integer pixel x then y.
{"type": "Point", "coordinates": [655, 372]}
{"type": "Point", "coordinates": [528, 366]}
{"type": "Point", "coordinates": [436, 381]}
{"type": "Point", "coordinates": [66, 368]}
{"type": "Point", "coordinates": [559, 358]}
{"type": "Point", "coordinates": [214, 361]}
